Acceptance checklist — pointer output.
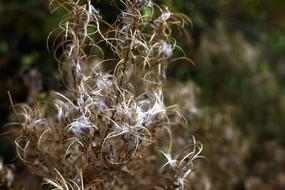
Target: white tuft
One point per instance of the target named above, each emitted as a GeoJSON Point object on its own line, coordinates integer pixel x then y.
{"type": "Point", "coordinates": [165, 16]}
{"type": "Point", "coordinates": [165, 49]}
{"type": "Point", "coordinates": [79, 124]}
{"type": "Point", "coordinates": [92, 9]}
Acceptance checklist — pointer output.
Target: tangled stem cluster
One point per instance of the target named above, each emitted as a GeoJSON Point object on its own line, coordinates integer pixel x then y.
{"type": "Point", "coordinates": [100, 132]}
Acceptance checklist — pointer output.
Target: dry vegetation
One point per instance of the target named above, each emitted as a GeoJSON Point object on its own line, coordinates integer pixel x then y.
{"type": "Point", "coordinates": [110, 127]}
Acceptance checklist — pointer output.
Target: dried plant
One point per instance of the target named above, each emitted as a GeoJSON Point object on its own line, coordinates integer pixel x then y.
{"type": "Point", "coordinates": [104, 130]}
{"type": "Point", "coordinates": [6, 174]}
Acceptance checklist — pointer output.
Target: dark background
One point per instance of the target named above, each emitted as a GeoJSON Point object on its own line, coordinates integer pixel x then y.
{"type": "Point", "coordinates": [239, 50]}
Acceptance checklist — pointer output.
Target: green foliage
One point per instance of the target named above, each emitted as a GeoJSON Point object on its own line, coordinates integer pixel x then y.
{"type": "Point", "coordinates": [277, 42]}
{"type": "Point", "coordinates": [29, 59]}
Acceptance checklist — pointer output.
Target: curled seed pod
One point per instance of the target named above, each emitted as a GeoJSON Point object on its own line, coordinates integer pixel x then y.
{"type": "Point", "coordinates": [101, 130]}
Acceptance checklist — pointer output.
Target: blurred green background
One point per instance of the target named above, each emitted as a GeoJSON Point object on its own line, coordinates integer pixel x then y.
{"type": "Point", "coordinates": [239, 50]}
